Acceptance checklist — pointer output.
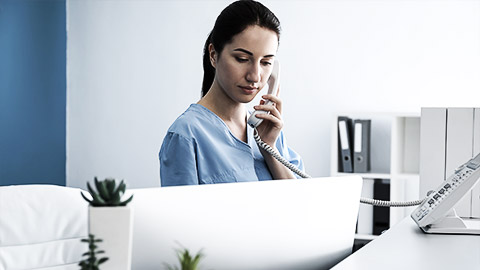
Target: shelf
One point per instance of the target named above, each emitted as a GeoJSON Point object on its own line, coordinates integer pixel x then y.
{"type": "Point", "coordinates": [394, 156]}
{"type": "Point", "coordinates": [365, 236]}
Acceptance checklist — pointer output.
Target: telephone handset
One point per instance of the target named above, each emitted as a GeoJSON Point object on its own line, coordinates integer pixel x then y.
{"type": "Point", "coordinates": [436, 213]}
{"type": "Point", "coordinates": [273, 83]}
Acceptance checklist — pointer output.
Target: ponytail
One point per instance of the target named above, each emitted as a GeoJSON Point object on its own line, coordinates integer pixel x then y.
{"type": "Point", "coordinates": [208, 69]}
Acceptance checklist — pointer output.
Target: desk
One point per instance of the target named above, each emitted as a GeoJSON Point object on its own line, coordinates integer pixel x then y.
{"type": "Point", "coordinates": [405, 246]}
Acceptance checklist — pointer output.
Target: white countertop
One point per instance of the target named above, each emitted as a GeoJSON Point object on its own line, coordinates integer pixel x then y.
{"type": "Point", "coordinates": [405, 246]}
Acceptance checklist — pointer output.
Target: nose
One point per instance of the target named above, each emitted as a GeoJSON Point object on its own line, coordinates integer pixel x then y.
{"type": "Point", "coordinates": [253, 73]}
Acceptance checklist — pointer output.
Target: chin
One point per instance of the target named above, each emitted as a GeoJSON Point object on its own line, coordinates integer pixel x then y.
{"type": "Point", "coordinates": [247, 99]}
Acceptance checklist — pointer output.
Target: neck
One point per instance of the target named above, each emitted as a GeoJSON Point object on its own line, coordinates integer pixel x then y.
{"type": "Point", "coordinates": [223, 106]}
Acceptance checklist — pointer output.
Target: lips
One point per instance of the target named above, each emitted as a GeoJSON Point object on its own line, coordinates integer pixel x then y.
{"type": "Point", "coordinates": [250, 88]}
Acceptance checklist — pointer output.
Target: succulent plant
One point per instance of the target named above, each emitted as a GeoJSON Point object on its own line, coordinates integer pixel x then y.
{"type": "Point", "coordinates": [187, 262]}
{"type": "Point", "coordinates": [92, 262]}
{"type": "Point", "coordinates": [108, 193]}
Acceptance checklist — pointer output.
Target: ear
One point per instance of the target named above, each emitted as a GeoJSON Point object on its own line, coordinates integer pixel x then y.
{"type": "Point", "coordinates": [213, 55]}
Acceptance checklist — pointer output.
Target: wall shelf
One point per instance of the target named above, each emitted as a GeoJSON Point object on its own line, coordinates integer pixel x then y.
{"type": "Point", "coordinates": [365, 236]}
{"type": "Point", "coordinates": [395, 156]}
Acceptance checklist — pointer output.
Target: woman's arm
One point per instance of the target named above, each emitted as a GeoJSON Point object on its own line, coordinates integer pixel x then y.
{"type": "Point", "coordinates": [277, 169]}
{"type": "Point", "coordinates": [178, 164]}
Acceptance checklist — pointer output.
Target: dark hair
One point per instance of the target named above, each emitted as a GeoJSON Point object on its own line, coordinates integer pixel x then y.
{"type": "Point", "coordinates": [233, 20]}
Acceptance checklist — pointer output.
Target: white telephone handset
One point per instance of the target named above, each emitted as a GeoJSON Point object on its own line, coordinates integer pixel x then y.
{"type": "Point", "coordinates": [273, 82]}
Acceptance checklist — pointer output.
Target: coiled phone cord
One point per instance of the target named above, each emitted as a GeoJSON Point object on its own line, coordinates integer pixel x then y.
{"type": "Point", "coordinates": [294, 169]}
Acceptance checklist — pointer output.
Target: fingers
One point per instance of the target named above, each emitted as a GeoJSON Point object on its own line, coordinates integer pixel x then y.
{"type": "Point", "coordinates": [273, 109]}
{"type": "Point", "coordinates": [270, 125]}
{"type": "Point", "coordinates": [277, 122]}
{"type": "Point", "coordinates": [272, 115]}
{"type": "Point", "coordinates": [268, 108]}
{"type": "Point", "coordinates": [277, 102]}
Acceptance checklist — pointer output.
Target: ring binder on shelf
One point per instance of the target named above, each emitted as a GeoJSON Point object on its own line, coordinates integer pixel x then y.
{"type": "Point", "coordinates": [381, 215]}
{"type": "Point", "coordinates": [361, 146]}
{"type": "Point", "coordinates": [345, 142]}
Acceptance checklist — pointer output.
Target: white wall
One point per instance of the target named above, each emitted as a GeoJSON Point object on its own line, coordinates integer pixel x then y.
{"type": "Point", "coordinates": [134, 66]}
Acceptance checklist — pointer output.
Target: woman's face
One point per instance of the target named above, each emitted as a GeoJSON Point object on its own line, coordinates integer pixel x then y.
{"type": "Point", "coordinates": [245, 64]}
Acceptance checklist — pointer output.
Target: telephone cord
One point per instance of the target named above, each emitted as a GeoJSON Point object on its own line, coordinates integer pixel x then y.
{"type": "Point", "coordinates": [277, 156]}
{"type": "Point", "coordinates": [294, 169]}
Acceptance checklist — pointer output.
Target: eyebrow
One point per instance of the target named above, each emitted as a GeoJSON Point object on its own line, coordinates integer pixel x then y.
{"type": "Point", "coordinates": [250, 53]}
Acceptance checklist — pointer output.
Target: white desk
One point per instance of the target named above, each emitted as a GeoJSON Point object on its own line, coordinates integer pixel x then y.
{"type": "Point", "coordinates": [405, 246]}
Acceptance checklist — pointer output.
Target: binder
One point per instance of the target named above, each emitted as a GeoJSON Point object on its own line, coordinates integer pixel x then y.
{"type": "Point", "coordinates": [361, 146]}
{"type": "Point", "coordinates": [381, 215]}
{"type": "Point", "coordinates": [344, 144]}
{"type": "Point", "coordinates": [476, 150]}
{"type": "Point", "coordinates": [459, 148]}
{"type": "Point", "coordinates": [433, 138]}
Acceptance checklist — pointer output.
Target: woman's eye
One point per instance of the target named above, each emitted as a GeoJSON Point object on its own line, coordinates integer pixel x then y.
{"type": "Point", "coordinates": [241, 60]}
{"type": "Point", "coordinates": [266, 63]}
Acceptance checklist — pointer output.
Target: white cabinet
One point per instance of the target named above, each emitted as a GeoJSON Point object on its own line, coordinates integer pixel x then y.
{"type": "Point", "coordinates": [395, 156]}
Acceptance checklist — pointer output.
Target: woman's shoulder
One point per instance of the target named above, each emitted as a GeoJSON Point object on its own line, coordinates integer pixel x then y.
{"type": "Point", "coordinates": [195, 117]}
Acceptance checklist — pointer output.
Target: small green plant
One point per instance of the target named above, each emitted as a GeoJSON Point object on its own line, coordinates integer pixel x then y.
{"type": "Point", "coordinates": [92, 262]}
{"type": "Point", "coordinates": [187, 262]}
{"type": "Point", "coordinates": [108, 193]}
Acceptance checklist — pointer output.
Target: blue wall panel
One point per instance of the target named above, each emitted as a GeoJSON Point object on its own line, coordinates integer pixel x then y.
{"type": "Point", "coordinates": [32, 91]}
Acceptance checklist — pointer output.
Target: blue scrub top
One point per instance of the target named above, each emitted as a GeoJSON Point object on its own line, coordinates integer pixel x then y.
{"type": "Point", "coordinates": [200, 149]}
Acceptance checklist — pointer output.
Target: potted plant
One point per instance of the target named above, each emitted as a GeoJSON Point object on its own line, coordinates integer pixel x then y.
{"type": "Point", "coordinates": [187, 262]}
{"type": "Point", "coordinates": [111, 220]}
{"type": "Point", "coordinates": [92, 262]}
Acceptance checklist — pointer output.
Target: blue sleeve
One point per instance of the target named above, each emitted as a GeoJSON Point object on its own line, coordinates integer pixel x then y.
{"type": "Point", "coordinates": [289, 154]}
{"type": "Point", "coordinates": [178, 164]}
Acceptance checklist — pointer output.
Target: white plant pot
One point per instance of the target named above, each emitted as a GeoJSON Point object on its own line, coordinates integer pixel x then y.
{"type": "Point", "coordinates": [114, 226]}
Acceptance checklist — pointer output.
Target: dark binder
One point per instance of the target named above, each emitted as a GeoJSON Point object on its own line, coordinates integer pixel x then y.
{"type": "Point", "coordinates": [345, 144]}
{"type": "Point", "coordinates": [361, 146]}
{"type": "Point", "coordinates": [381, 215]}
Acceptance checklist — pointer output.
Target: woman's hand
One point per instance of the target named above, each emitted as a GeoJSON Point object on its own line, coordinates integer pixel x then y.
{"type": "Point", "coordinates": [269, 130]}
{"type": "Point", "coordinates": [272, 122]}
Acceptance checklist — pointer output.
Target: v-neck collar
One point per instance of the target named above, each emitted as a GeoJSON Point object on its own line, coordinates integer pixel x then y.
{"type": "Point", "coordinates": [249, 129]}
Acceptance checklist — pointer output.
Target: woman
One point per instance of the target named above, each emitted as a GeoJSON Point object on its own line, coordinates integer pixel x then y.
{"type": "Point", "coordinates": [211, 141]}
